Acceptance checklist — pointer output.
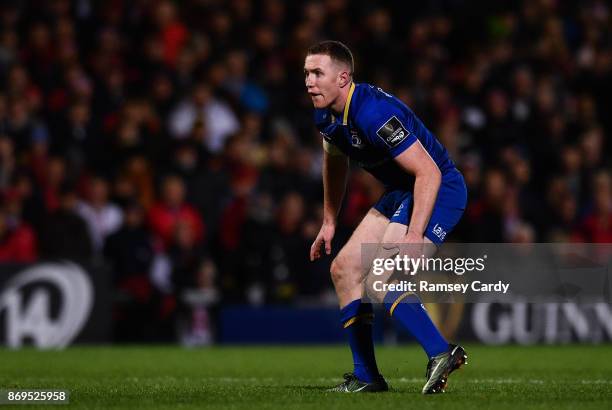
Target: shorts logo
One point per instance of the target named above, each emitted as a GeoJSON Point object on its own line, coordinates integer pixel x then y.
{"type": "Point", "coordinates": [439, 232]}
{"type": "Point", "coordinates": [398, 211]}
{"type": "Point", "coordinates": [393, 132]}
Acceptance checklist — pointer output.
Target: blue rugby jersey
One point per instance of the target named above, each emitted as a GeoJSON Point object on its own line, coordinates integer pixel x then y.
{"type": "Point", "coordinates": [375, 128]}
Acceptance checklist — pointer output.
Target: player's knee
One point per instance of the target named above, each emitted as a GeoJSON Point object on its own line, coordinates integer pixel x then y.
{"type": "Point", "coordinates": [337, 270]}
{"type": "Point", "coordinates": [341, 270]}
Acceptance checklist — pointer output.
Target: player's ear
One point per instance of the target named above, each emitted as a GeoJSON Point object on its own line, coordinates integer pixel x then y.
{"type": "Point", "coordinates": [344, 78]}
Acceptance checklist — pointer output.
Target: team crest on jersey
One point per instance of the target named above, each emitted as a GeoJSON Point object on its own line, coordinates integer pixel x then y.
{"type": "Point", "coordinates": [393, 132]}
{"type": "Point", "coordinates": [356, 140]}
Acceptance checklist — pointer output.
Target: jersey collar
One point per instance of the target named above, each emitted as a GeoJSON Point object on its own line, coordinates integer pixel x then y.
{"type": "Point", "coordinates": [348, 104]}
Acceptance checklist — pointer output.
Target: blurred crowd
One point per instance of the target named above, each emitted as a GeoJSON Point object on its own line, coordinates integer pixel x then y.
{"type": "Point", "coordinates": [173, 142]}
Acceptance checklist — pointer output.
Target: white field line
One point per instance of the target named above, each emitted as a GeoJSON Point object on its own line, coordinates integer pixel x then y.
{"type": "Point", "coordinates": [415, 380]}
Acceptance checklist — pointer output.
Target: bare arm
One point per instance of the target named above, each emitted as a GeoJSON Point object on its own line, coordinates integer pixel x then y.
{"type": "Point", "coordinates": [427, 183]}
{"type": "Point", "coordinates": [335, 172]}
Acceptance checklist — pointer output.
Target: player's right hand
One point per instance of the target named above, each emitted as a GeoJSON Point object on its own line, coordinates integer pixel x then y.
{"type": "Point", "coordinates": [325, 236]}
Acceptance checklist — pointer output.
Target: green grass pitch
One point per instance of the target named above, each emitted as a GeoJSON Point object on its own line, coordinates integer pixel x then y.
{"type": "Point", "coordinates": [507, 377]}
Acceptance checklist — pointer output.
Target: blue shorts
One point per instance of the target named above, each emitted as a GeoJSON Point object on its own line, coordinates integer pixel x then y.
{"type": "Point", "coordinates": [396, 204]}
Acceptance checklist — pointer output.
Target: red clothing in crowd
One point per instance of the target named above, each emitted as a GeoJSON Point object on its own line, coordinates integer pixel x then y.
{"type": "Point", "coordinates": [163, 220]}
{"type": "Point", "coordinates": [19, 245]}
{"type": "Point", "coordinates": [595, 229]}
{"type": "Point", "coordinates": [174, 37]}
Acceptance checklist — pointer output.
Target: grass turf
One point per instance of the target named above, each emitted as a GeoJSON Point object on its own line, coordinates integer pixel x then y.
{"type": "Point", "coordinates": [507, 377]}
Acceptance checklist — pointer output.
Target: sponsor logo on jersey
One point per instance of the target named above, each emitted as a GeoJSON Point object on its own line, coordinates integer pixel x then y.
{"type": "Point", "coordinates": [393, 132]}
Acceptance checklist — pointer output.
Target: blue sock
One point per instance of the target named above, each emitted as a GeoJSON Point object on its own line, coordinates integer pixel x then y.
{"type": "Point", "coordinates": [410, 313]}
{"type": "Point", "coordinates": [357, 322]}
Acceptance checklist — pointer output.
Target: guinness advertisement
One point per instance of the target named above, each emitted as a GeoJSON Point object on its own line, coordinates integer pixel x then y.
{"type": "Point", "coordinates": [525, 323]}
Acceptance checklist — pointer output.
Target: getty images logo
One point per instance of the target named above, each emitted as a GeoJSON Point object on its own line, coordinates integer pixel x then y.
{"type": "Point", "coordinates": [27, 302]}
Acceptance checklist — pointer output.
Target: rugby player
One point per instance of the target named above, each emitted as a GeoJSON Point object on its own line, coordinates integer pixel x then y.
{"type": "Point", "coordinates": [424, 199]}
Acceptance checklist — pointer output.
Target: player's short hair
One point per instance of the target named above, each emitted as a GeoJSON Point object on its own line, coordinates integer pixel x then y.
{"type": "Point", "coordinates": [335, 50]}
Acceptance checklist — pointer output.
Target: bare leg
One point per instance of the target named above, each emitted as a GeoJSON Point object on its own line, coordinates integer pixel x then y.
{"type": "Point", "coordinates": [347, 269]}
{"type": "Point", "coordinates": [390, 247]}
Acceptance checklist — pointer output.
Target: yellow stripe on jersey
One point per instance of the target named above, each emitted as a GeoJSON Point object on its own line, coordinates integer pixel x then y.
{"type": "Point", "coordinates": [347, 105]}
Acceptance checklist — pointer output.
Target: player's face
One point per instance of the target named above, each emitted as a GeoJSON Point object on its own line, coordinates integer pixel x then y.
{"type": "Point", "coordinates": [322, 77]}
